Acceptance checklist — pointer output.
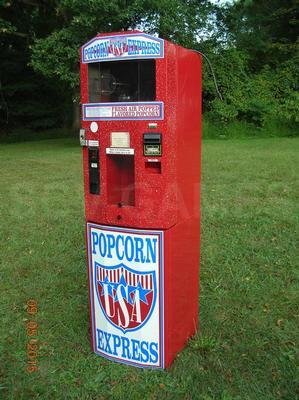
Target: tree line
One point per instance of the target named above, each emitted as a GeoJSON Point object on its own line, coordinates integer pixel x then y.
{"type": "Point", "coordinates": [252, 44]}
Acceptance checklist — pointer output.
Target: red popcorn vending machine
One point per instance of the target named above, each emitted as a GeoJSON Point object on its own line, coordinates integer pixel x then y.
{"type": "Point", "coordinates": [141, 138]}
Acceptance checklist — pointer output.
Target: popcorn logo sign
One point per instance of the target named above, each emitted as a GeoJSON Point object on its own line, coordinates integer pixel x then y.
{"type": "Point", "coordinates": [109, 48]}
{"type": "Point", "coordinates": [126, 290]}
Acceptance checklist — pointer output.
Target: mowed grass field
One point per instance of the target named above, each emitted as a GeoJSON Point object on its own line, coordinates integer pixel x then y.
{"type": "Point", "coordinates": [247, 347]}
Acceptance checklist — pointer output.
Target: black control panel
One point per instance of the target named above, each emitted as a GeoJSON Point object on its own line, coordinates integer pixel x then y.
{"type": "Point", "coordinates": [152, 144]}
{"type": "Point", "coordinates": [94, 175]}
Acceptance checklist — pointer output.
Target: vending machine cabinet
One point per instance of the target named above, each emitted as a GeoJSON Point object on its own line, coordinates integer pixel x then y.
{"type": "Point", "coordinates": [141, 140]}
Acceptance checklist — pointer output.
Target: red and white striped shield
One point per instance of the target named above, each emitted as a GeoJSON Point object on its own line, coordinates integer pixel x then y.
{"type": "Point", "coordinates": [126, 296]}
{"type": "Point", "coordinates": [118, 47]}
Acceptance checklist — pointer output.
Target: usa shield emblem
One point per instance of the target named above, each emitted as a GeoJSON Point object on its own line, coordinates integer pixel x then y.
{"type": "Point", "coordinates": [127, 297]}
{"type": "Point", "coordinates": [118, 46]}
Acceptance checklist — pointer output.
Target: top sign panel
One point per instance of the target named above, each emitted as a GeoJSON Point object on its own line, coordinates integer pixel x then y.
{"type": "Point", "coordinates": [122, 47]}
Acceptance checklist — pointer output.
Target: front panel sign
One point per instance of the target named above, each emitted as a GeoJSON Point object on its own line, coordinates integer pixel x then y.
{"type": "Point", "coordinates": [126, 294]}
{"type": "Point", "coordinates": [133, 46]}
{"type": "Point", "coordinates": [123, 111]}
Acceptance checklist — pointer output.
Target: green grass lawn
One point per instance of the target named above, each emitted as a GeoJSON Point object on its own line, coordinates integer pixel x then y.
{"type": "Point", "coordinates": [247, 347]}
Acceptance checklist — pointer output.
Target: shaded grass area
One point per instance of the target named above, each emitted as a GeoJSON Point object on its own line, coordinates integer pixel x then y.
{"type": "Point", "coordinates": [244, 130]}
{"type": "Point", "coordinates": [210, 129]}
{"type": "Point", "coordinates": [247, 347]}
{"type": "Point", "coordinates": [27, 135]}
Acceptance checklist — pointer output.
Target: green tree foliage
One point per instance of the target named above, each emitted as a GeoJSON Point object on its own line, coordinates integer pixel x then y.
{"type": "Point", "coordinates": [57, 55]}
{"type": "Point", "coordinates": [267, 29]}
{"type": "Point", "coordinates": [252, 44]}
{"type": "Point", "coordinates": [27, 99]}
{"type": "Point", "coordinates": [257, 61]}
{"type": "Point", "coordinates": [180, 21]}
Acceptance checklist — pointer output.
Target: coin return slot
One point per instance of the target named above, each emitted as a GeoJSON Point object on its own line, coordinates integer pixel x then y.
{"type": "Point", "coordinates": [153, 167]}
